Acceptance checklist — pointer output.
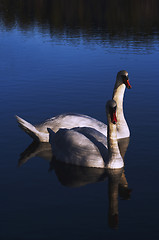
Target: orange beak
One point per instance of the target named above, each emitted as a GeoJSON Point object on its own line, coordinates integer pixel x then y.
{"type": "Point", "coordinates": [113, 118]}
{"type": "Point", "coordinates": [128, 84]}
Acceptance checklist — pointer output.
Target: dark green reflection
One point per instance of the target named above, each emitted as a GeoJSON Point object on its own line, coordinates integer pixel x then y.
{"type": "Point", "coordinates": [119, 18]}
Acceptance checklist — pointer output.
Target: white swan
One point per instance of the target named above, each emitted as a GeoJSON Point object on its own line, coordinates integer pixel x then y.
{"type": "Point", "coordinates": [69, 120]}
{"type": "Point", "coordinates": [88, 147]}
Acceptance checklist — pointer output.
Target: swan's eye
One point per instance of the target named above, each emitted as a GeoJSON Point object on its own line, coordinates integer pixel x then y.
{"type": "Point", "coordinates": [126, 81]}
{"type": "Point", "coordinates": [125, 78]}
{"type": "Point", "coordinates": [112, 109]}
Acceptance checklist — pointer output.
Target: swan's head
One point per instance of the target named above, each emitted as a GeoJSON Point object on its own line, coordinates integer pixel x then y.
{"type": "Point", "coordinates": [122, 77]}
{"type": "Point", "coordinates": [111, 107]}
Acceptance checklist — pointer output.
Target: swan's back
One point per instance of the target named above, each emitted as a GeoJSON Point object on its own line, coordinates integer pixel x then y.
{"type": "Point", "coordinates": [71, 120]}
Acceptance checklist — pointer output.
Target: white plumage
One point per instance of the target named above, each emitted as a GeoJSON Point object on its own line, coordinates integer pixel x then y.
{"type": "Point", "coordinates": [88, 147]}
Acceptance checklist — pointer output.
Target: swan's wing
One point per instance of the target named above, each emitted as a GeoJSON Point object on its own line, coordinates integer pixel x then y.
{"type": "Point", "coordinates": [73, 147]}
{"type": "Point", "coordinates": [96, 137]}
{"type": "Point", "coordinates": [92, 134]}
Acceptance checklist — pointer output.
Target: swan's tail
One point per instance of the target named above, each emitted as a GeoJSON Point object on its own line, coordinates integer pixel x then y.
{"type": "Point", "coordinates": [30, 129]}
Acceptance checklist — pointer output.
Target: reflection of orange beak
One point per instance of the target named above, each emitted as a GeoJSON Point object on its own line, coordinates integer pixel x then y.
{"type": "Point", "coordinates": [114, 119]}
{"type": "Point", "coordinates": [128, 84]}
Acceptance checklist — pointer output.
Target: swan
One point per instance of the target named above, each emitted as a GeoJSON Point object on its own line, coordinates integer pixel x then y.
{"type": "Point", "coordinates": [71, 120]}
{"type": "Point", "coordinates": [88, 147]}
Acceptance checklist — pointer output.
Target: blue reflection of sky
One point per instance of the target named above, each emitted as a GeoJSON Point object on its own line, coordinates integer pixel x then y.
{"type": "Point", "coordinates": [43, 76]}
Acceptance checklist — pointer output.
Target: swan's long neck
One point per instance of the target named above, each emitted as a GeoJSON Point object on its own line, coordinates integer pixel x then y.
{"type": "Point", "coordinates": [115, 159]}
{"type": "Point", "coordinates": [118, 95]}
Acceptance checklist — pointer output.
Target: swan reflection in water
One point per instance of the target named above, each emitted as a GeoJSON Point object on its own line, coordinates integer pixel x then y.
{"type": "Point", "coordinates": [75, 176]}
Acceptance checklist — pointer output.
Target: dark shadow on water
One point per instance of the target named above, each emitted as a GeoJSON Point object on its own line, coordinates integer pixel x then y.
{"type": "Point", "coordinates": [36, 149]}
{"type": "Point", "coordinates": [75, 176]}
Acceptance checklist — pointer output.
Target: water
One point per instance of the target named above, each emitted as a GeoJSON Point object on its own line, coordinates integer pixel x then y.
{"type": "Point", "coordinates": [67, 61]}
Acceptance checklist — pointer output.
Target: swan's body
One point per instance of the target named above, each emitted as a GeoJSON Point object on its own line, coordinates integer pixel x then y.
{"type": "Point", "coordinates": [40, 133]}
{"type": "Point", "coordinates": [88, 147]}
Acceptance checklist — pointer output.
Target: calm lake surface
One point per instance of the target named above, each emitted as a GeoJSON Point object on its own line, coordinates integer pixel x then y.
{"type": "Point", "coordinates": [63, 56]}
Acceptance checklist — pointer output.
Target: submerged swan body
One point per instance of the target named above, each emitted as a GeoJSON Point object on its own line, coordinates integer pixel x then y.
{"type": "Point", "coordinates": [88, 147]}
{"type": "Point", "coordinates": [40, 133]}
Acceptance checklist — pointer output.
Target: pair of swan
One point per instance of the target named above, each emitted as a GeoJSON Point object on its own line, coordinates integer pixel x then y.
{"type": "Point", "coordinates": [85, 145]}
{"type": "Point", "coordinates": [88, 147]}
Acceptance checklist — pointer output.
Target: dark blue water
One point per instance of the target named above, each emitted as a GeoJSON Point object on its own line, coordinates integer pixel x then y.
{"type": "Point", "coordinates": [46, 70]}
